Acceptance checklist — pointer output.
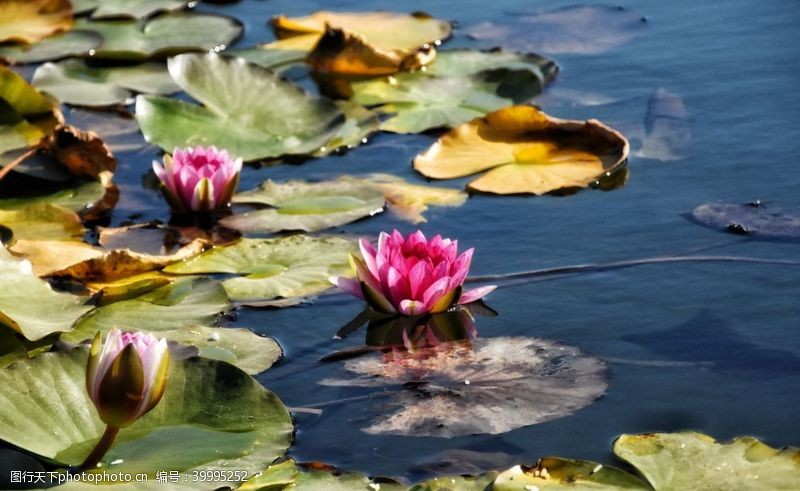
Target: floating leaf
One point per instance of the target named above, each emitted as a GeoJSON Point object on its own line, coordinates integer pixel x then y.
{"type": "Point", "coordinates": [526, 151]}
{"type": "Point", "coordinates": [491, 386]}
{"type": "Point", "coordinates": [186, 302]}
{"type": "Point", "coordinates": [247, 109]}
{"type": "Point", "coordinates": [25, 298]}
{"type": "Point", "coordinates": [129, 286]}
{"type": "Point", "coordinates": [301, 205]}
{"type": "Point", "coordinates": [73, 82]}
{"type": "Point", "coordinates": [162, 36]}
{"type": "Point", "coordinates": [316, 477]}
{"type": "Point", "coordinates": [285, 267]}
{"type": "Point", "coordinates": [458, 86]}
{"type": "Point", "coordinates": [29, 21]}
{"type": "Point", "coordinates": [72, 43]}
{"type": "Point", "coordinates": [666, 125]}
{"type": "Point", "coordinates": [753, 219]}
{"type": "Point", "coordinates": [684, 460]}
{"type": "Point", "coordinates": [360, 122]}
{"type": "Point", "coordinates": [42, 221]}
{"type": "Point", "coordinates": [559, 473]}
{"type": "Point", "coordinates": [460, 483]}
{"type": "Point", "coordinates": [78, 199]}
{"type": "Point", "coordinates": [127, 8]}
{"type": "Point", "coordinates": [409, 201]}
{"type": "Point", "coordinates": [213, 416]}
{"type": "Point", "coordinates": [48, 256]}
{"type": "Point", "coordinates": [582, 29]}
{"type": "Point", "coordinates": [366, 43]}
{"type": "Point", "coordinates": [277, 54]}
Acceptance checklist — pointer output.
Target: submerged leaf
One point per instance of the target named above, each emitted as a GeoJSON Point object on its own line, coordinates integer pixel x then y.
{"type": "Point", "coordinates": [247, 109]}
{"type": "Point", "coordinates": [25, 298]}
{"type": "Point", "coordinates": [492, 386]}
{"type": "Point", "coordinates": [74, 82]}
{"type": "Point", "coordinates": [213, 417]}
{"type": "Point", "coordinates": [685, 460]}
{"type": "Point", "coordinates": [583, 29]}
{"type": "Point", "coordinates": [666, 127]}
{"type": "Point", "coordinates": [301, 205]}
{"type": "Point", "coordinates": [753, 219]}
{"type": "Point", "coordinates": [161, 36]}
{"type": "Point", "coordinates": [366, 43]}
{"type": "Point", "coordinates": [526, 151]}
{"type": "Point", "coordinates": [286, 267]}
{"type": "Point", "coordinates": [29, 21]}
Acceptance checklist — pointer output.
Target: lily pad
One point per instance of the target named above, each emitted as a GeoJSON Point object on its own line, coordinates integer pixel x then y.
{"type": "Point", "coordinates": [279, 53]}
{"type": "Point", "coordinates": [559, 473]}
{"type": "Point", "coordinates": [307, 206]}
{"type": "Point", "coordinates": [25, 298]}
{"type": "Point", "coordinates": [128, 8]}
{"type": "Point", "coordinates": [753, 219]}
{"type": "Point", "coordinates": [409, 201]}
{"type": "Point", "coordinates": [526, 151]}
{"type": "Point", "coordinates": [685, 460]}
{"type": "Point", "coordinates": [72, 43]}
{"type": "Point", "coordinates": [186, 302]}
{"type": "Point", "coordinates": [286, 267]}
{"type": "Point", "coordinates": [492, 385]}
{"type": "Point", "coordinates": [213, 417]}
{"type": "Point", "coordinates": [128, 287]}
{"type": "Point", "coordinates": [29, 21]}
{"type": "Point", "coordinates": [581, 29]}
{"type": "Point", "coordinates": [42, 221]}
{"type": "Point", "coordinates": [458, 86]}
{"type": "Point", "coordinates": [161, 36]}
{"type": "Point", "coordinates": [366, 43]}
{"type": "Point", "coordinates": [73, 82]}
{"type": "Point", "coordinates": [315, 477]}
{"type": "Point", "coordinates": [247, 109]}
{"type": "Point", "coordinates": [78, 199]}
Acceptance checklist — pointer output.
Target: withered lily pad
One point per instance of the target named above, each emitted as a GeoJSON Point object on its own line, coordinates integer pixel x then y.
{"type": "Point", "coordinates": [491, 386]}
{"type": "Point", "coordinates": [754, 219]}
{"type": "Point", "coordinates": [686, 460]}
{"type": "Point", "coordinates": [186, 302]}
{"type": "Point", "coordinates": [306, 206]}
{"type": "Point", "coordinates": [287, 267]}
{"type": "Point", "coordinates": [583, 29]}
{"type": "Point", "coordinates": [213, 416]}
{"type": "Point", "coordinates": [72, 43]}
{"type": "Point", "coordinates": [161, 36]}
{"type": "Point", "coordinates": [25, 298]}
{"type": "Point", "coordinates": [366, 43]}
{"type": "Point", "coordinates": [526, 151]}
{"type": "Point", "coordinates": [458, 86]}
{"type": "Point", "coordinates": [247, 109]}
{"type": "Point", "coordinates": [28, 21]}
{"type": "Point", "coordinates": [73, 82]}
{"type": "Point", "coordinates": [559, 473]}
{"type": "Point", "coordinates": [409, 201]}
{"type": "Point", "coordinates": [127, 8]}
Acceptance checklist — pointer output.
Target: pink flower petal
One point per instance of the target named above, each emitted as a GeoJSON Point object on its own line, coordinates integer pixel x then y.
{"type": "Point", "coordinates": [349, 285]}
{"type": "Point", "coordinates": [470, 296]}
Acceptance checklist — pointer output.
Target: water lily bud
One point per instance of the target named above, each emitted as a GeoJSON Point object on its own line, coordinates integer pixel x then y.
{"type": "Point", "coordinates": [411, 275]}
{"type": "Point", "coordinates": [126, 376]}
{"type": "Point", "coordinates": [199, 179]}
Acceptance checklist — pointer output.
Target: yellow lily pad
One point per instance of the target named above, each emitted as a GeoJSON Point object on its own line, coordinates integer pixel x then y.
{"type": "Point", "coordinates": [28, 21]}
{"type": "Point", "coordinates": [525, 151]}
{"type": "Point", "coordinates": [42, 221]}
{"type": "Point", "coordinates": [366, 43]}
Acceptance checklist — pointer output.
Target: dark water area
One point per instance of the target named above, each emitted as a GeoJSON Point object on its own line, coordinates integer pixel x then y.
{"type": "Point", "coordinates": [712, 347]}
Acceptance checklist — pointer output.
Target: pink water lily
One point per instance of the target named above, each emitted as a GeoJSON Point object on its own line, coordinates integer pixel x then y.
{"type": "Point", "coordinates": [126, 376]}
{"type": "Point", "coordinates": [198, 179]}
{"type": "Point", "coordinates": [411, 275]}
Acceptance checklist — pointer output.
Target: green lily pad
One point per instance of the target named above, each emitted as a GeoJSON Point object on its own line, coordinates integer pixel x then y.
{"type": "Point", "coordinates": [457, 483]}
{"type": "Point", "coordinates": [213, 417]}
{"type": "Point", "coordinates": [689, 460]}
{"type": "Point", "coordinates": [72, 43]}
{"type": "Point", "coordinates": [301, 205]}
{"type": "Point", "coordinates": [288, 475]}
{"type": "Point", "coordinates": [286, 267]}
{"type": "Point", "coordinates": [247, 109]}
{"type": "Point", "coordinates": [42, 221]}
{"type": "Point", "coordinates": [162, 36]}
{"type": "Point", "coordinates": [26, 299]}
{"type": "Point", "coordinates": [77, 199]}
{"type": "Point", "coordinates": [274, 477]}
{"type": "Point", "coordinates": [558, 473]}
{"type": "Point", "coordinates": [360, 123]}
{"type": "Point", "coordinates": [186, 302]}
{"type": "Point", "coordinates": [458, 86]}
{"type": "Point", "coordinates": [241, 347]}
{"type": "Point", "coordinates": [278, 54]}
{"type": "Point", "coordinates": [73, 82]}
{"type": "Point", "coordinates": [127, 8]}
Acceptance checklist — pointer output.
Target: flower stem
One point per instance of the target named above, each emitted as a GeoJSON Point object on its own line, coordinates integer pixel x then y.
{"type": "Point", "coordinates": [100, 449]}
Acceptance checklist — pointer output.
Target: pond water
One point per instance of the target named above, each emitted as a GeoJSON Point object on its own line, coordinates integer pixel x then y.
{"type": "Point", "coordinates": [705, 346]}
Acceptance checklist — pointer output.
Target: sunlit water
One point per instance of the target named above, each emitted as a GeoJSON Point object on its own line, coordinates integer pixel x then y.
{"type": "Point", "coordinates": [735, 65]}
